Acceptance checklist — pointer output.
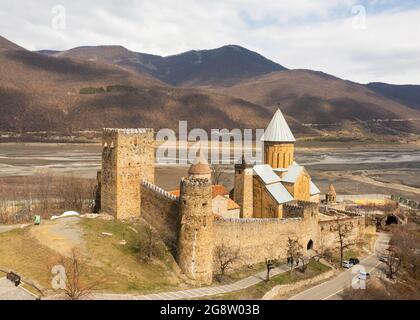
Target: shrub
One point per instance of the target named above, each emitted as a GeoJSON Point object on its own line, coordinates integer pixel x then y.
{"type": "Point", "coordinates": [91, 90]}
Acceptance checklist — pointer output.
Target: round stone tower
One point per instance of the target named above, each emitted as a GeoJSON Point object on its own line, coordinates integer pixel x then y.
{"type": "Point", "coordinates": [195, 239]}
{"type": "Point", "coordinates": [200, 168]}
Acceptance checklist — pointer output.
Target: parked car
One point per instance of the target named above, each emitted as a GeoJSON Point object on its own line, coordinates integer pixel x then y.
{"type": "Point", "coordinates": [383, 259]}
{"type": "Point", "coordinates": [354, 261]}
{"type": "Point", "coordinates": [363, 275]}
{"type": "Point", "coordinates": [347, 264]}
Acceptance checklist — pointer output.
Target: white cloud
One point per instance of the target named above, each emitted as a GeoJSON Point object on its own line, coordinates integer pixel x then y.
{"type": "Point", "coordinates": [299, 34]}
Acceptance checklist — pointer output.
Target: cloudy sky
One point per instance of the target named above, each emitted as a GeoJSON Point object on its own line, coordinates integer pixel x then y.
{"type": "Point", "coordinates": [359, 40]}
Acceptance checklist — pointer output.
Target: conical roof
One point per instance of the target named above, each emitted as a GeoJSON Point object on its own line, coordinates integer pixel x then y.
{"type": "Point", "coordinates": [200, 165]}
{"type": "Point", "coordinates": [278, 130]}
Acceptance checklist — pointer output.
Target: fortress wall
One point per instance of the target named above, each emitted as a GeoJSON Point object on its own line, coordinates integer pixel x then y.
{"type": "Point", "coordinates": [259, 239]}
{"type": "Point", "coordinates": [161, 210]}
{"type": "Point", "coordinates": [329, 235]}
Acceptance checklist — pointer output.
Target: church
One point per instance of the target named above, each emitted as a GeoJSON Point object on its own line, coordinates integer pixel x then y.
{"type": "Point", "coordinates": [262, 190]}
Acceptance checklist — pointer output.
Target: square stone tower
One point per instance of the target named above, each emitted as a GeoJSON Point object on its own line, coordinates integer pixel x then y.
{"type": "Point", "coordinates": [243, 192]}
{"type": "Point", "coordinates": [128, 156]}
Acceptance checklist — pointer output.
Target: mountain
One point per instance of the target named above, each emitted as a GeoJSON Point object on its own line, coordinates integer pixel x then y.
{"type": "Point", "coordinates": [321, 99]}
{"type": "Point", "coordinates": [225, 65]}
{"type": "Point", "coordinates": [88, 88]}
{"type": "Point", "coordinates": [39, 92]}
{"type": "Point", "coordinates": [405, 94]}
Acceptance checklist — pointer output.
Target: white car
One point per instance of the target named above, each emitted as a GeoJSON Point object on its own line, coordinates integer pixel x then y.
{"type": "Point", "coordinates": [347, 264]}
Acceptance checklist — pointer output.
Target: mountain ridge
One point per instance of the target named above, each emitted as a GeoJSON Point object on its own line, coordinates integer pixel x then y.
{"type": "Point", "coordinates": [226, 64]}
{"type": "Point", "coordinates": [94, 86]}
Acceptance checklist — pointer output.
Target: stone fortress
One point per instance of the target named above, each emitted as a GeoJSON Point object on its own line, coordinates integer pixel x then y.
{"type": "Point", "coordinates": [272, 202]}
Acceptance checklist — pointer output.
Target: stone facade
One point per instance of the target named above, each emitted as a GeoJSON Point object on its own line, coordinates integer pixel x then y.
{"type": "Point", "coordinates": [300, 189]}
{"type": "Point", "coordinates": [127, 158]}
{"type": "Point", "coordinates": [260, 239]}
{"type": "Point", "coordinates": [265, 206]}
{"type": "Point", "coordinates": [161, 210]}
{"type": "Point", "coordinates": [186, 222]}
{"type": "Point", "coordinates": [279, 155]}
{"type": "Point", "coordinates": [196, 236]}
{"type": "Point", "coordinates": [243, 188]}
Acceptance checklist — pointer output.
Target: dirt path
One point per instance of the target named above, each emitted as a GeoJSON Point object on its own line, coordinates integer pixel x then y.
{"type": "Point", "coordinates": [61, 235]}
{"type": "Point", "coordinates": [7, 228]}
{"type": "Point", "coordinates": [363, 177]}
{"type": "Point", "coordinates": [389, 185]}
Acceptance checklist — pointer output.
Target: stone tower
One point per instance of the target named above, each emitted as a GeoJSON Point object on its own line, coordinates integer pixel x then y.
{"type": "Point", "coordinates": [243, 189]}
{"type": "Point", "coordinates": [200, 168]}
{"type": "Point", "coordinates": [331, 196]}
{"type": "Point", "coordinates": [195, 239]}
{"type": "Point", "coordinates": [279, 143]}
{"type": "Point", "coordinates": [127, 157]}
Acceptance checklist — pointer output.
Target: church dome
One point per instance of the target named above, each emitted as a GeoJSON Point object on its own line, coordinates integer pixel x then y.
{"type": "Point", "coordinates": [200, 167]}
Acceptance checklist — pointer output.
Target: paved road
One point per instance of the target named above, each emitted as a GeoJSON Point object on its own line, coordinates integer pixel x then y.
{"type": "Point", "coordinates": [329, 290]}
{"type": "Point", "coordinates": [8, 291]}
{"type": "Point", "coordinates": [191, 293]}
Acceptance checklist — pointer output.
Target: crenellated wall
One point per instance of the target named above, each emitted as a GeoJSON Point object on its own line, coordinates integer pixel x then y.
{"type": "Point", "coordinates": [161, 210]}
{"type": "Point", "coordinates": [260, 239]}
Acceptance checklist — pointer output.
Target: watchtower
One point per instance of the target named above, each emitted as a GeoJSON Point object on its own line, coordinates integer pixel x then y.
{"type": "Point", "coordinates": [127, 157]}
{"type": "Point", "coordinates": [195, 239]}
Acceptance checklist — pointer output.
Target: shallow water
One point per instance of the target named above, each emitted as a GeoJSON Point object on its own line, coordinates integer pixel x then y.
{"type": "Point", "coordinates": [21, 159]}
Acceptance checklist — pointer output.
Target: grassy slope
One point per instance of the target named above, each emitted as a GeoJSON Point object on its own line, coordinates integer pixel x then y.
{"type": "Point", "coordinates": [24, 255]}
{"type": "Point", "coordinates": [118, 266]}
{"type": "Point", "coordinates": [114, 267]}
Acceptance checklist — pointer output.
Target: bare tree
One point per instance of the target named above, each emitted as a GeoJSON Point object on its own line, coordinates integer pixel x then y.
{"type": "Point", "coordinates": [44, 181]}
{"type": "Point", "coordinates": [77, 286]}
{"type": "Point", "coordinates": [392, 263]}
{"type": "Point", "coordinates": [294, 252]}
{"type": "Point", "coordinates": [225, 257]}
{"type": "Point", "coordinates": [344, 230]}
{"type": "Point", "coordinates": [304, 261]}
{"type": "Point", "coordinates": [322, 250]}
{"type": "Point", "coordinates": [76, 194]}
{"type": "Point", "coordinates": [217, 171]}
{"type": "Point", "coordinates": [406, 243]}
{"type": "Point", "coordinates": [269, 265]}
{"type": "Point", "coordinates": [147, 244]}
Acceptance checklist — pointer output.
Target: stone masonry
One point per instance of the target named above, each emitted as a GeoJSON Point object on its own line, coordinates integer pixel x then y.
{"type": "Point", "coordinates": [127, 158]}
{"type": "Point", "coordinates": [196, 236]}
